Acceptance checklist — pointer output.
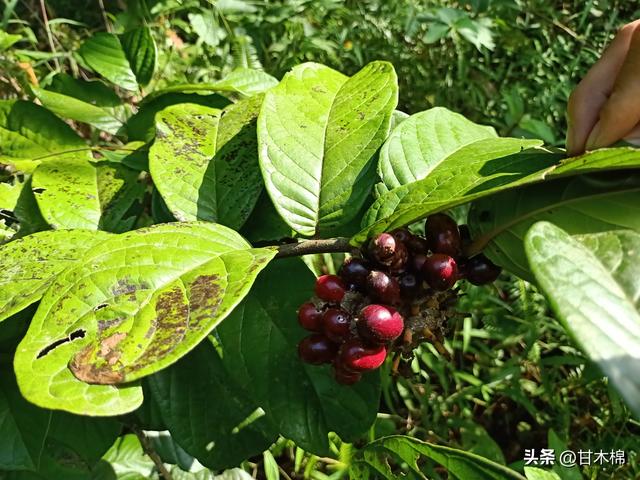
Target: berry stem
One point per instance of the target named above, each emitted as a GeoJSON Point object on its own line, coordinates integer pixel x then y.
{"type": "Point", "coordinates": [306, 247]}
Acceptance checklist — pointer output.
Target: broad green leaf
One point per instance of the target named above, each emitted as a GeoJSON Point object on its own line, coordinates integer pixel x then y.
{"type": "Point", "coordinates": [67, 193]}
{"type": "Point", "coordinates": [133, 305]}
{"type": "Point", "coordinates": [424, 140]}
{"type": "Point", "coordinates": [103, 52]}
{"type": "Point", "coordinates": [258, 343]}
{"type": "Point", "coordinates": [121, 192]}
{"type": "Point", "coordinates": [264, 223]}
{"type": "Point", "coordinates": [38, 440]}
{"type": "Point", "coordinates": [243, 81]}
{"type": "Point", "coordinates": [481, 169]}
{"type": "Point", "coordinates": [208, 414]}
{"type": "Point", "coordinates": [204, 161]}
{"type": "Point", "coordinates": [460, 464]}
{"type": "Point", "coordinates": [72, 108]}
{"type": "Point", "coordinates": [140, 50]}
{"type": "Point", "coordinates": [478, 169]}
{"type": "Point", "coordinates": [133, 155]}
{"type": "Point", "coordinates": [93, 92]}
{"type": "Point", "coordinates": [141, 126]}
{"type": "Point", "coordinates": [318, 132]}
{"type": "Point", "coordinates": [579, 205]}
{"type": "Point", "coordinates": [592, 284]}
{"type": "Point", "coordinates": [7, 39]}
{"type": "Point", "coordinates": [128, 460]}
{"type": "Point", "coordinates": [29, 265]}
{"type": "Point", "coordinates": [27, 213]}
{"type": "Point", "coordinates": [30, 134]}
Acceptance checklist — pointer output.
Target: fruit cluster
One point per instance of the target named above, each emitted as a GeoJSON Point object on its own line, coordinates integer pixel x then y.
{"type": "Point", "coordinates": [397, 293]}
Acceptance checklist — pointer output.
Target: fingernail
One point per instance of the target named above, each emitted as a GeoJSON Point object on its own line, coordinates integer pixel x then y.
{"type": "Point", "coordinates": [592, 141]}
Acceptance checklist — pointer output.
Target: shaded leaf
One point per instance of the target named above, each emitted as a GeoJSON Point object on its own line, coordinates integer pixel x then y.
{"type": "Point", "coordinates": [318, 132]}
{"type": "Point", "coordinates": [579, 205]}
{"type": "Point", "coordinates": [219, 435]}
{"type": "Point", "coordinates": [104, 54]}
{"type": "Point", "coordinates": [592, 284]}
{"type": "Point", "coordinates": [258, 342]}
{"type": "Point", "coordinates": [133, 305]}
{"type": "Point", "coordinates": [140, 50]}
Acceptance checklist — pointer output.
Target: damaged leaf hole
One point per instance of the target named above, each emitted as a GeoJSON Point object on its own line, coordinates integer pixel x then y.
{"type": "Point", "coordinates": [80, 333]}
{"type": "Point", "coordinates": [38, 190]}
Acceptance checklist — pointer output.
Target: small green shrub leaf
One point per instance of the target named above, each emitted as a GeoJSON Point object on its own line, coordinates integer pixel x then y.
{"type": "Point", "coordinates": [208, 414]}
{"type": "Point", "coordinates": [133, 305]}
{"type": "Point", "coordinates": [424, 140]}
{"type": "Point", "coordinates": [204, 161]}
{"type": "Point", "coordinates": [458, 463]}
{"type": "Point", "coordinates": [318, 133]}
{"type": "Point", "coordinates": [103, 52]}
{"type": "Point", "coordinates": [592, 282]}
{"type": "Point", "coordinates": [140, 50]}
{"type": "Point", "coordinates": [259, 341]}
{"type": "Point", "coordinates": [579, 205]}
{"type": "Point", "coordinates": [29, 265]}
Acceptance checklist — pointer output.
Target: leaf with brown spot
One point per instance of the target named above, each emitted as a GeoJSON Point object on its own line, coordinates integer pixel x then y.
{"type": "Point", "coordinates": [144, 298]}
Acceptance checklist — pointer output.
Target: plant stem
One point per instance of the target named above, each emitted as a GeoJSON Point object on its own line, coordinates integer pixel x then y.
{"type": "Point", "coordinates": [151, 453]}
{"type": "Point", "coordinates": [306, 247]}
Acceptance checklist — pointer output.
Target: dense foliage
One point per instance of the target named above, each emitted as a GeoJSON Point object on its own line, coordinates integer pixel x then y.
{"type": "Point", "coordinates": [165, 203]}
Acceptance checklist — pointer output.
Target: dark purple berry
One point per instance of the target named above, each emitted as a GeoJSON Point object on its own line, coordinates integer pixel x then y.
{"type": "Point", "coordinates": [440, 271]}
{"type": "Point", "coordinates": [418, 244]}
{"type": "Point", "coordinates": [402, 235]}
{"type": "Point", "coordinates": [355, 356]}
{"type": "Point", "coordinates": [335, 324]}
{"type": "Point", "coordinates": [330, 288]}
{"type": "Point", "coordinates": [309, 317]}
{"type": "Point", "coordinates": [354, 271]}
{"type": "Point", "coordinates": [317, 349]}
{"type": "Point", "coordinates": [379, 324]}
{"type": "Point", "coordinates": [479, 270]}
{"type": "Point", "coordinates": [410, 285]}
{"type": "Point", "coordinates": [417, 261]}
{"type": "Point", "coordinates": [382, 247]}
{"type": "Point", "coordinates": [383, 287]}
{"type": "Point", "coordinates": [443, 235]}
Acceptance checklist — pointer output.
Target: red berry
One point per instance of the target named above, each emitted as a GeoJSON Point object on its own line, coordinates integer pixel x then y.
{"type": "Point", "coordinates": [354, 272]}
{"type": "Point", "coordinates": [344, 376]}
{"type": "Point", "coordinates": [440, 271]}
{"type": "Point", "coordinates": [380, 324]}
{"type": "Point", "coordinates": [479, 270]}
{"type": "Point", "coordinates": [383, 287]}
{"type": "Point", "coordinates": [442, 234]}
{"type": "Point", "coordinates": [382, 247]}
{"type": "Point", "coordinates": [335, 324]}
{"type": "Point", "coordinates": [330, 288]}
{"type": "Point", "coordinates": [317, 349]}
{"type": "Point", "coordinates": [357, 357]}
{"type": "Point", "coordinates": [309, 317]}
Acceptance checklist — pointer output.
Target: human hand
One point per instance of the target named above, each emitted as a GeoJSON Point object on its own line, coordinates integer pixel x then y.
{"type": "Point", "coordinates": [605, 106]}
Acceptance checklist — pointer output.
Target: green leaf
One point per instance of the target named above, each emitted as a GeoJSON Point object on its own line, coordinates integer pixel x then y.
{"type": "Point", "coordinates": [133, 305]}
{"type": "Point", "coordinates": [128, 461]}
{"type": "Point", "coordinates": [121, 192]}
{"type": "Point", "coordinates": [208, 414]}
{"type": "Point", "coordinates": [459, 463]}
{"type": "Point", "coordinates": [104, 54]}
{"type": "Point", "coordinates": [258, 343]}
{"type": "Point", "coordinates": [72, 108]}
{"type": "Point", "coordinates": [67, 193]}
{"type": "Point", "coordinates": [141, 126]}
{"type": "Point", "coordinates": [30, 134]}
{"type": "Point", "coordinates": [534, 473]}
{"type": "Point", "coordinates": [140, 50]}
{"type": "Point", "coordinates": [93, 92]}
{"type": "Point", "coordinates": [7, 40]}
{"type": "Point", "coordinates": [592, 285]}
{"type": "Point", "coordinates": [271, 471]}
{"type": "Point", "coordinates": [480, 169]}
{"type": "Point", "coordinates": [29, 265]}
{"type": "Point", "coordinates": [318, 132]}
{"type": "Point", "coordinates": [35, 439]}
{"type": "Point", "coordinates": [579, 205]}
{"type": "Point", "coordinates": [243, 81]}
{"type": "Point", "coordinates": [424, 140]}
{"type": "Point", "coordinates": [204, 161]}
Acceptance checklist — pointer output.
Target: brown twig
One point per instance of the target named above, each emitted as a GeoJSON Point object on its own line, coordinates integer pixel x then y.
{"type": "Point", "coordinates": [151, 453]}
{"type": "Point", "coordinates": [306, 247]}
